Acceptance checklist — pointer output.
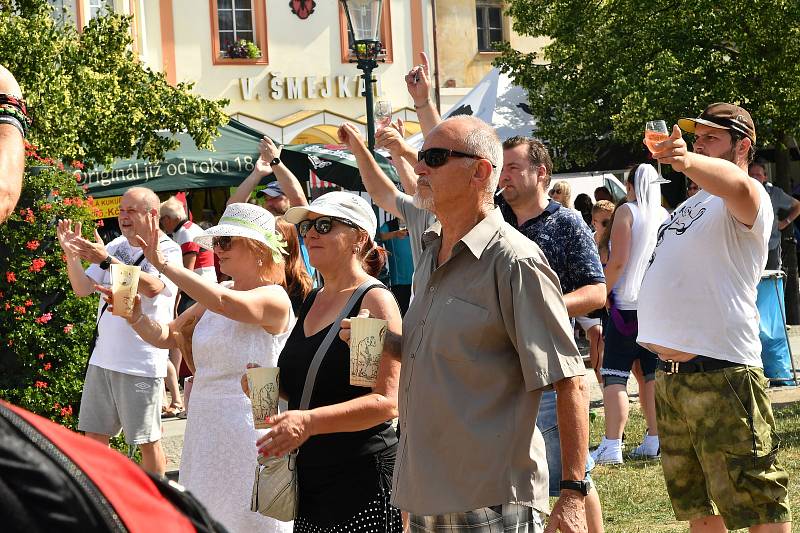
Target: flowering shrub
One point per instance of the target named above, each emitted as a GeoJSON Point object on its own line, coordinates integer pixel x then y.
{"type": "Point", "coordinates": [244, 49]}
{"type": "Point", "coordinates": [45, 330]}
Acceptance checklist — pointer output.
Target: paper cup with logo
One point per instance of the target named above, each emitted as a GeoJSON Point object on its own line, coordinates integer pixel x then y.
{"type": "Point", "coordinates": [124, 284]}
{"type": "Point", "coordinates": [366, 345]}
{"type": "Point", "coordinates": [263, 384]}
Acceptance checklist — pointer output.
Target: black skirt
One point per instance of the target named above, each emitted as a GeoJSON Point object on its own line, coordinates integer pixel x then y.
{"type": "Point", "coordinates": [350, 496]}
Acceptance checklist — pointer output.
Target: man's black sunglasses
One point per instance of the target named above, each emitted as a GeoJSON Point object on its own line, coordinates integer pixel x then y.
{"type": "Point", "coordinates": [436, 157]}
{"type": "Point", "coordinates": [323, 225]}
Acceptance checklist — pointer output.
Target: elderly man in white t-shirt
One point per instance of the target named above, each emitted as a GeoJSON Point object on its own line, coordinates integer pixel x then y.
{"type": "Point", "coordinates": [697, 311]}
{"type": "Point", "coordinates": [123, 382]}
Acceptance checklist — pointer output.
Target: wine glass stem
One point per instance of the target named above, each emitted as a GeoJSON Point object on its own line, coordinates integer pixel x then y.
{"type": "Point", "coordinates": [659, 171]}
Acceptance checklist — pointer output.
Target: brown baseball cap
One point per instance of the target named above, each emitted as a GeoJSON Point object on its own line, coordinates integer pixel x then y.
{"type": "Point", "coordinates": [723, 116]}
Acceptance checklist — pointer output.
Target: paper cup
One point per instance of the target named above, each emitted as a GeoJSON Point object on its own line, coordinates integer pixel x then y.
{"type": "Point", "coordinates": [366, 345]}
{"type": "Point", "coordinates": [263, 383]}
{"type": "Point", "coordinates": [124, 284]}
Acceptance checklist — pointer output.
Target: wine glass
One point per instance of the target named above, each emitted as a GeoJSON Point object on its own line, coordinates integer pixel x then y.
{"type": "Point", "coordinates": [383, 114]}
{"type": "Point", "coordinates": [655, 131]}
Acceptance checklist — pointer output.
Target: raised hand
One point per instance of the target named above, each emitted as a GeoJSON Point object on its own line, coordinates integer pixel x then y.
{"type": "Point", "coordinates": [92, 251]}
{"type": "Point", "coordinates": [268, 149]}
{"type": "Point", "coordinates": [66, 234]}
{"type": "Point", "coordinates": [147, 240]}
{"type": "Point", "coordinates": [673, 151]}
{"type": "Point", "coordinates": [391, 138]}
{"type": "Point", "coordinates": [349, 135]}
{"type": "Point", "coordinates": [418, 81]}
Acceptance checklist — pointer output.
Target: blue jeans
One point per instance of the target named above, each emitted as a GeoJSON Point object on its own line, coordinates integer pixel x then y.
{"type": "Point", "coordinates": [547, 422]}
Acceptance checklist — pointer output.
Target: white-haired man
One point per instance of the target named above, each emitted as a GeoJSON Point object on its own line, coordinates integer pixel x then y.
{"type": "Point", "coordinates": [125, 374]}
{"type": "Point", "coordinates": [477, 354]}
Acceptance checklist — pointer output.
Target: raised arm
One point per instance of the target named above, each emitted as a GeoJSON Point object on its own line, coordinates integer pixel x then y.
{"type": "Point", "coordinates": [403, 155]}
{"type": "Point", "coordinates": [266, 306]}
{"type": "Point", "coordinates": [242, 193]}
{"type": "Point", "coordinates": [12, 152]}
{"type": "Point", "coordinates": [715, 175]}
{"type": "Point", "coordinates": [82, 284]}
{"type": "Point", "coordinates": [418, 84]}
{"type": "Point", "coordinates": [289, 183]}
{"type": "Point", "coordinates": [378, 185]}
{"type": "Point", "coordinates": [293, 428]}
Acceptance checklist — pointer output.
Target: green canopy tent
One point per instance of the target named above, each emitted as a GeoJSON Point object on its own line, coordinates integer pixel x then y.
{"type": "Point", "coordinates": [235, 152]}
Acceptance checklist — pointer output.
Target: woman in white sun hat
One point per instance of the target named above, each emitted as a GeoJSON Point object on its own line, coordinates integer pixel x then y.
{"type": "Point", "coordinates": [346, 441]}
{"type": "Point", "coordinates": [244, 321]}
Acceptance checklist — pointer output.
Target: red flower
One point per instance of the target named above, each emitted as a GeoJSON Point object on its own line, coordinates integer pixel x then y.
{"type": "Point", "coordinates": [78, 165]}
{"type": "Point", "coordinates": [67, 201]}
{"type": "Point", "coordinates": [66, 411]}
{"type": "Point", "coordinates": [32, 245]}
{"type": "Point", "coordinates": [46, 207]}
{"type": "Point", "coordinates": [19, 309]}
{"type": "Point", "coordinates": [41, 384]}
{"type": "Point", "coordinates": [37, 264]}
{"type": "Point", "coordinates": [8, 306]}
{"type": "Point", "coordinates": [68, 328]}
{"type": "Point", "coordinates": [56, 192]}
{"type": "Point", "coordinates": [40, 356]}
{"type": "Point", "coordinates": [28, 303]}
{"type": "Point", "coordinates": [47, 366]}
{"type": "Point", "coordinates": [11, 277]}
{"type": "Point", "coordinates": [100, 223]}
{"type": "Point", "coordinates": [2, 294]}
{"type": "Point", "coordinates": [45, 318]}
{"type": "Point", "coordinates": [85, 188]}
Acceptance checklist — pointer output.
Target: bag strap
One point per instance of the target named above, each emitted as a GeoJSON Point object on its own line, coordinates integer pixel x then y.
{"type": "Point", "coordinates": [311, 377]}
{"type": "Point", "coordinates": [105, 305]}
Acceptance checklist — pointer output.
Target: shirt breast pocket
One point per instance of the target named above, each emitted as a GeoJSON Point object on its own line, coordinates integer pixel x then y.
{"type": "Point", "coordinates": [459, 330]}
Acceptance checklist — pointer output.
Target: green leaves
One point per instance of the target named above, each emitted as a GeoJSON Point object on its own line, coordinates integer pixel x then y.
{"type": "Point", "coordinates": [91, 98]}
{"type": "Point", "coordinates": [614, 64]}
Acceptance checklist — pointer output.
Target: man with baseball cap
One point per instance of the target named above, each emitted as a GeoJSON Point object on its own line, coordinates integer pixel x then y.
{"type": "Point", "coordinates": [273, 199]}
{"type": "Point", "coordinates": [697, 311]}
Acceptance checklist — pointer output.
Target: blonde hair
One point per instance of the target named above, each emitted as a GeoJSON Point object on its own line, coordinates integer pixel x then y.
{"type": "Point", "coordinates": [603, 205]}
{"type": "Point", "coordinates": [565, 190]}
{"type": "Point", "coordinates": [173, 208]}
{"type": "Point", "coordinates": [267, 269]}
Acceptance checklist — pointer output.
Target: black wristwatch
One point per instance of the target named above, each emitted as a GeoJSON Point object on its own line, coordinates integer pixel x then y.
{"type": "Point", "coordinates": [105, 263]}
{"type": "Point", "coordinates": [581, 486]}
{"type": "Point", "coordinates": [274, 162]}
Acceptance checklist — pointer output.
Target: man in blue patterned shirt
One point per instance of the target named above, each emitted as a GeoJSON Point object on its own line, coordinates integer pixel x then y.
{"type": "Point", "coordinates": [570, 249]}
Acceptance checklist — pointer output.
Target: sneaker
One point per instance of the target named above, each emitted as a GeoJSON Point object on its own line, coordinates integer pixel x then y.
{"type": "Point", "coordinates": [648, 449]}
{"type": "Point", "coordinates": [608, 453]}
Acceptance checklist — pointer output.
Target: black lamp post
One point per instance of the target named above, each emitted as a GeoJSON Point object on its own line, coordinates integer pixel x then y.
{"type": "Point", "coordinates": [364, 28]}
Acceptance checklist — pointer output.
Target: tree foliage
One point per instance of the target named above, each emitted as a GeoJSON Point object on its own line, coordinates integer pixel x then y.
{"type": "Point", "coordinates": [90, 98]}
{"type": "Point", "coordinates": [611, 65]}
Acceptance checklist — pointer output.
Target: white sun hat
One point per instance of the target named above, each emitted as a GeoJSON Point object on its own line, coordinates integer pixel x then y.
{"type": "Point", "coordinates": [249, 221]}
{"type": "Point", "coordinates": [339, 204]}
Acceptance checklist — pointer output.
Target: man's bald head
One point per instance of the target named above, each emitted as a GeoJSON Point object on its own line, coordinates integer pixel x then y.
{"type": "Point", "coordinates": [474, 136]}
{"type": "Point", "coordinates": [144, 196]}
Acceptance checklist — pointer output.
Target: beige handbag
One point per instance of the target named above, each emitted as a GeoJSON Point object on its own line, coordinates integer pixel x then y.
{"type": "Point", "coordinates": [275, 486]}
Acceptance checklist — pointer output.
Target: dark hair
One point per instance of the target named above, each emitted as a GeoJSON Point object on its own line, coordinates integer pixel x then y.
{"type": "Point", "coordinates": [602, 190]}
{"type": "Point", "coordinates": [537, 153]}
{"type": "Point", "coordinates": [751, 153]}
{"type": "Point", "coordinates": [373, 258]}
{"type": "Point", "coordinates": [758, 163]}
{"type": "Point", "coordinates": [298, 281]}
{"type": "Point", "coordinates": [583, 203]}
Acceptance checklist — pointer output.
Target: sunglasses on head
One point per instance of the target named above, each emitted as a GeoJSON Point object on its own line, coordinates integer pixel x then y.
{"type": "Point", "coordinates": [323, 225]}
{"type": "Point", "coordinates": [224, 242]}
{"type": "Point", "coordinates": [436, 157]}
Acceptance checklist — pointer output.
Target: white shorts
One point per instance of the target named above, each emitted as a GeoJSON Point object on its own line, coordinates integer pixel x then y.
{"type": "Point", "coordinates": [112, 401]}
{"type": "Point", "coordinates": [585, 322]}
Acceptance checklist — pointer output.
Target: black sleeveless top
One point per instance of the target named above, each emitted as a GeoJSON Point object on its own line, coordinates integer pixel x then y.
{"type": "Point", "coordinates": [332, 386]}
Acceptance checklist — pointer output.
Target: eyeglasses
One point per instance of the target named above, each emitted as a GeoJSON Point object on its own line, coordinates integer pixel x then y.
{"type": "Point", "coordinates": [436, 157]}
{"type": "Point", "coordinates": [224, 242]}
{"type": "Point", "coordinates": [323, 225]}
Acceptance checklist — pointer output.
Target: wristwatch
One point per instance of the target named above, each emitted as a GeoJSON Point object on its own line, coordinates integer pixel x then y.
{"type": "Point", "coordinates": [105, 263]}
{"type": "Point", "coordinates": [275, 161]}
{"type": "Point", "coordinates": [581, 486]}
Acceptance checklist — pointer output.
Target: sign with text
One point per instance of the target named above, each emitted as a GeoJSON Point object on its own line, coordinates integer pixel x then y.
{"type": "Point", "coordinates": [277, 87]}
{"type": "Point", "coordinates": [107, 207]}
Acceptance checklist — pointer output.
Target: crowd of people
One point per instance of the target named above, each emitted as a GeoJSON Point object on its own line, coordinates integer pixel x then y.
{"type": "Point", "coordinates": [492, 268]}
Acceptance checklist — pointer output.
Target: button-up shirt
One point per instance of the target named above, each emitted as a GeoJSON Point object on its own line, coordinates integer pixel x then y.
{"type": "Point", "coordinates": [566, 242]}
{"type": "Point", "coordinates": [485, 332]}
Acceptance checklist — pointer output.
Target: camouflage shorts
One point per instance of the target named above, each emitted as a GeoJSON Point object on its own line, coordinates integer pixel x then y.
{"type": "Point", "coordinates": [719, 448]}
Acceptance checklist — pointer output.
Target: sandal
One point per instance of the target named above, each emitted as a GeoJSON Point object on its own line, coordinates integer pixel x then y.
{"type": "Point", "coordinates": [171, 412]}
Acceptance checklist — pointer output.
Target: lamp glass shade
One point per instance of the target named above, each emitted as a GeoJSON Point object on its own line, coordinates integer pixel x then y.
{"type": "Point", "coordinates": [365, 15]}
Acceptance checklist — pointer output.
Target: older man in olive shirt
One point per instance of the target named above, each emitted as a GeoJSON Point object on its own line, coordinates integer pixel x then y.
{"type": "Point", "coordinates": [486, 331]}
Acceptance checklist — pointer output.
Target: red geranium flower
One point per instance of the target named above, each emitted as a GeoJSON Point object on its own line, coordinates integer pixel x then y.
{"type": "Point", "coordinates": [32, 245]}
{"type": "Point", "coordinates": [68, 328]}
{"type": "Point", "coordinates": [11, 277]}
{"type": "Point", "coordinates": [40, 356]}
{"type": "Point", "coordinates": [28, 303]}
{"type": "Point", "coordinates": [37, 264]}
{"type": "Point", "coordinates": [47, 366]}
{"type": "Point", "coordinates": [45, 318]}
{"type": "Point", "coordinates": [41, 384]}
{"type": "Point", "coordinates": [19, 309]}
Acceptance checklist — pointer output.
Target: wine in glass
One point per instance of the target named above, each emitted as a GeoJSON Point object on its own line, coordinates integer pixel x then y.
{"type": "Point", "coordinates": [383, 114]}
{"type": "Point", "coordinates": [655, 131]}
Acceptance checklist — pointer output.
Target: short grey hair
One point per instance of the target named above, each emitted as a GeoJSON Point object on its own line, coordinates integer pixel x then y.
{"type": "Point", "coordinates": [173, 208]}
{"type": "Point", "coordinates": [146, 196]}
{"type": "Point", "coordinates": [482, 140]}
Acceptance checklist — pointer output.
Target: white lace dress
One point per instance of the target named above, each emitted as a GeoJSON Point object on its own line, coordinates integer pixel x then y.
{"type": "Point", "coordinates": [219, 448]}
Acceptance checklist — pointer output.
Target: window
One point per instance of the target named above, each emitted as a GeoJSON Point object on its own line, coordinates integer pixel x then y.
{"type": "Point", "coordinates": [98, 7]}
{"type": "Point", "coordinates": [236, 20]}
{"type": "Point", "coordinates": [386, 32]}
{"type": "Point", "coordinates": [489, 18]}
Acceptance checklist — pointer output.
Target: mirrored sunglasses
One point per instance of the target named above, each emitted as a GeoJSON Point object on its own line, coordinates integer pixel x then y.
{"type": "Point", "coordinates": [436, 157]}
{"type": "Point", "coordinates": [322, 225]}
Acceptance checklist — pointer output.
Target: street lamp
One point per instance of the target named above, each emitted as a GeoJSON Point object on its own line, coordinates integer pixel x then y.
{"type": "Point", "coordinates": [364, 28]}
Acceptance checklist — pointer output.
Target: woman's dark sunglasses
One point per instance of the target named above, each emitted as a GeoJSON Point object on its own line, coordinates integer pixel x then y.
{"type": "Point", "coordinates": [436, 157]}
{"type": "Point", "coordinates": [323, 225]}
{"type": "Point", "coordinates": [224, 243]}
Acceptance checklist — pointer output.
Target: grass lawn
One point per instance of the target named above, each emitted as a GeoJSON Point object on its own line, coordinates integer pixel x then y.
{"type": "Point", "coordinates": [635, 497]}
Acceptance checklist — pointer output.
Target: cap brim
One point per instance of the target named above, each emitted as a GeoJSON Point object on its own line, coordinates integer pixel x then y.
{"type": "Point", "coordinates": [688, 124]}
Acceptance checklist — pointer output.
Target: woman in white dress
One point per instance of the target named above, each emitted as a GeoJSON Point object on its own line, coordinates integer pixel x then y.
{"type": "Point", "coordinates": [246, 321]}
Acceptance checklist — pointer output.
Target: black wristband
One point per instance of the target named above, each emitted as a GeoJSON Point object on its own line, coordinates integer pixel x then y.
{"type": "Point", "coordinates": [275, 161]}
{"type": "Point", "coordinates": [8, 119]}
{"type": "Point", "coordinates": [583, 486]}
{"type": "Point", "coordinates": [105, 263]}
